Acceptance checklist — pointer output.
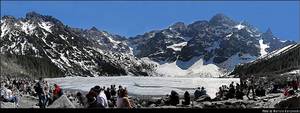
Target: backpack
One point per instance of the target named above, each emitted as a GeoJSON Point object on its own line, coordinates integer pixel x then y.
{"type": "Point", "coordinates": [38, 88]}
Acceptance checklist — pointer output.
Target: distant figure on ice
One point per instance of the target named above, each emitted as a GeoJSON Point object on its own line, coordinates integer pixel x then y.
{"type": "Point", "coordinates": [123, 100]}
{"type": "Point", "coordinates": [187, 98]}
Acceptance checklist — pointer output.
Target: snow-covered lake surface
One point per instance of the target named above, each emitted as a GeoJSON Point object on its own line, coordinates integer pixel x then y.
{"type": "Point", "coordinates": [146, 85]}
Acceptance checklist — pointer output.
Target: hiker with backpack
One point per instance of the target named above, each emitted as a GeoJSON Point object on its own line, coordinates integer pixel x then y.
{"type": "Point", "coordinates": [40, 93]}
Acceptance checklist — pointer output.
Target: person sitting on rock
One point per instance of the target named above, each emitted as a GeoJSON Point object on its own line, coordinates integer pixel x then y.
{"type": "Point", "coordinates": [57, 92]}
{"type": "Point", "coordinates": [219, 95]}
{"type": "Point", "coordinates": [123, 100]}
{"type": "Point", "coordinates": [174, 98]}
{"type": "Point", "coordinates": [91, 98]}
{"type": "Point", "coordinates": [9, 97]}
{"type": "Point", "coordinates": [81, 99]}
{"type": "Point", "coordinates": [187, 98]}
{"type": "Point", "coordinates": [202, 91]}
{"type": "Point", "coordinates": [197, 93]}
{"type": "Point", "coordinates": [231, 92]}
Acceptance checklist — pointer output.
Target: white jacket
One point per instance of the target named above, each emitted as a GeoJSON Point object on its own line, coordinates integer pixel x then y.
{"type": "Point", "coordinates": [101, 99]}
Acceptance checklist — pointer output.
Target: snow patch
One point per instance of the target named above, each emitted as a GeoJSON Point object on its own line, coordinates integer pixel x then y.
{"type": "Point", "coordinates": [239, 26]}
{"type": "Point", "coordinates": [46, 26]}
{"type": "Point", "coordinates": [27, 27]}
{"type": "Point", "coordinates": [236, 59]}
{"type": "Point", "coordinates": [177, 47]}
{"type": "Point", "coordinates": [263, 48]}
{"type": "Point", "coordinates": [4, 28]}
{"type": "Point", "coordinates": [196, 67]}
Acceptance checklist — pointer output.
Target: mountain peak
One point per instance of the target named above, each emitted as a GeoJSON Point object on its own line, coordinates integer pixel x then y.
{"type": "Point", "coordinates": [7, 17]}
{"type": "Point", "coordinates": [33, 14]}
{"type": "Point", "coordinates": [178, 25]}
{"type": "Point", "coordinates": [220, 19]}
{"type": "Point", "coordinates": [269, 31]}
{"type": "Point", "coordinates": [94, 28]}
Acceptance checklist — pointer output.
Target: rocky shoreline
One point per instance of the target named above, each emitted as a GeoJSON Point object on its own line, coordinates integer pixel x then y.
{"type": "Point", "coordinates": [276, 100]}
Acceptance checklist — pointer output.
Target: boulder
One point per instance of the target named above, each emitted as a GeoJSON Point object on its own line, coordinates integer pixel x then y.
{"type": "Point", "coordinates": [7, 105]}
{"type": "Point", "coordinates": [203, 98]}
{"type": "Point", "coordinates": [62, 102]}
{"type": "Point", "coordinates": [290, 102]}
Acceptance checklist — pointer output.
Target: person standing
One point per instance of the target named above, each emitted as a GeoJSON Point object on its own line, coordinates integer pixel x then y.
{"type": "Point", "coordinates": [101, 98]}
{"type": "Point", "coordinates": [250, 84]}
{"type": "Point", "coordinates": [40, 93]}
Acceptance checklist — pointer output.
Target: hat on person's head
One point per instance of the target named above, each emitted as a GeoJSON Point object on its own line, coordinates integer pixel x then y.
{"type": "Point", "coordinates": [97, 89]}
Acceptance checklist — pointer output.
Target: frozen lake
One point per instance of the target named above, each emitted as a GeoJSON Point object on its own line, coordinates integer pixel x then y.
{"type": "Point", "coordinates": [146, 85]}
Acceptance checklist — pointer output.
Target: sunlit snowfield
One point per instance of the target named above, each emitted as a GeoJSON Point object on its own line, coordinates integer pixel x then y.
{"type": "Point", "coordinates": [146, 85]}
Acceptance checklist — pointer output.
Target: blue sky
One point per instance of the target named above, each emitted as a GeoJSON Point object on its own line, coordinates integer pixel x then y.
{"type": "Point", "coordinates": [130, 18]}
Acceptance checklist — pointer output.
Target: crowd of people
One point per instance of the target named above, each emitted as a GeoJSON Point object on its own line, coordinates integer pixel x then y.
{"type": "Point", "coordinates": [111, 97]}
{"type": "Point", "coordinates": [250, 88]}
{"type": "Point", "coordinates": [101, 97]}
{"type": "Point", "coordinates": [46, 93]}
{"type": "Point", "coordinates": [12, 89]}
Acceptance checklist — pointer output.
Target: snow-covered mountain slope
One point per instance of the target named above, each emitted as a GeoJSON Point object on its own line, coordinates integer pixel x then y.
{"type": "Point", "coordinates": [44, 37]}
{"type": "Point", "coordinates": [195, 67]}
{"type": "Point", "coordinates": [284, 60]}
{"type": "Point", "coordinates": [202, 49]}
{"type": "Point", "coordinates": [218, 45]}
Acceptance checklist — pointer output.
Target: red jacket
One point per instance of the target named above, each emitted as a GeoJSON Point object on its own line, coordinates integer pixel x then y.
{"type": "Point", "coordinates": [57, 90]}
